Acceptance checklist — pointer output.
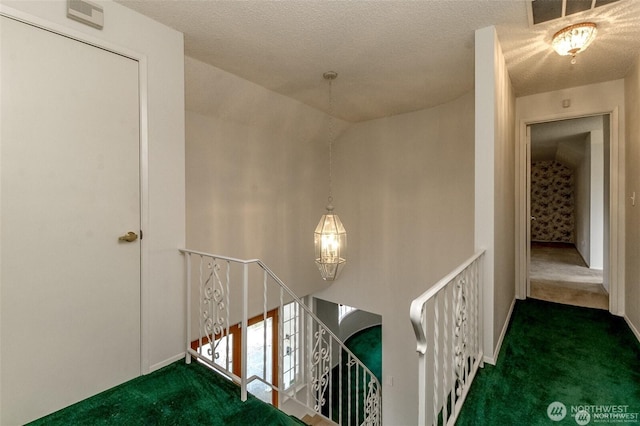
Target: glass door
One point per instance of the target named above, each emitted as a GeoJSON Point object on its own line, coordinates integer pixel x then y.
{"type": "Point", "coordinates": [262, 354]}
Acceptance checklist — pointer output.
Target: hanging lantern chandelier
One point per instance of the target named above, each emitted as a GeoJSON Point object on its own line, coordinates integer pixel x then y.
{"type": "Point", "coordinates": [330, 237]}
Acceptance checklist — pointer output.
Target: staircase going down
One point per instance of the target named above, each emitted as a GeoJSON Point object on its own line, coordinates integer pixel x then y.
{"type": "Point", "coordinates": [301, 365]}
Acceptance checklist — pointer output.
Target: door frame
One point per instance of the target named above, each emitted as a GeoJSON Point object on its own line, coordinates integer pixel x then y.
{"type": "Point", "coordinates": [82, 37]}
{"type": "Point", "coordinates": [616, 210]}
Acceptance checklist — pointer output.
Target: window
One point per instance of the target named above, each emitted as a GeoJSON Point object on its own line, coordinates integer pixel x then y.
{"type": "Point", "coordinates": [290, 344]}
{"type": "Point", "coordinates": [260, 359]}
{"type": "Point", "coordinates": [343, 311]}
{"type": "Point", "coordinates": [262, 355]}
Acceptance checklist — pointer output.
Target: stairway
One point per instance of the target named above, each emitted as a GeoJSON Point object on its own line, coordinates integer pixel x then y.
{"type": "Point", "coordinates": [318, 420]}
{"type": "Point", "coordinates": [221, 290]}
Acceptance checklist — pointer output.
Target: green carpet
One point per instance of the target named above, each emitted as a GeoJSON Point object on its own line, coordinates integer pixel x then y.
{"type": "Point", "coordinates": [366, 345]}
{"type": "Point", "coordinates": [178, 394]}
{"type": "Point", "coordinates": [586, 359]}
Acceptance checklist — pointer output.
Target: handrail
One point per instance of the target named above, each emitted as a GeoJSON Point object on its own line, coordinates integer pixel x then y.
{"type": "Point", "coordinates": [318, 335]}
{"type": "Point", "coordinates": [310, 312]}
{"type": "Point", "coordinates": [284, 286]}
{"type": "Point", "coordinates": [218, 256]}
{"type": "Point", "coordinates": [447, 322]}
{"type": "Point", "coordinates": [415, 310]}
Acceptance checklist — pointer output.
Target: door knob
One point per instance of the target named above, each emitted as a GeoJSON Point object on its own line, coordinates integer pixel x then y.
{"type": "Point", "coordinates": [129, 237]}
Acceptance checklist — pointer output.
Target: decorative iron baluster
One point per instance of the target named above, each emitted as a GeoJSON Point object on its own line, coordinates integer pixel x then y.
{"type": "Point", "coordinates": [461, 333]}
{"type": "Point", "coordinates": [452, 350]}
{"type": "Point", "coordinates": [214, 307]}
{"type": "Point", "coordinates": [350, 363]}
{"type": "Point", "coordinates": [314, 344]}
{"type": "Point", "coordinates": [227, 322]}
{"type": "Point", "coordinates": [462, 353]}
{"type": "Point", "coordinates": [372, 404]}
{"type": "Point", "coordinates": [476, 310]}
{"type": "Point", "coordinates": [330, 402]}
{"type": "Point", "coordinates": [200, 306]}
{"type": "Point", "coordinates": [340, 390]}
{"type": "Point", "coordinates": [357, 396]}
{"type": "Point", "coordinates": [436, 341]}
{"type": "Point", "coordinates": [281, 344]}
{"type": "Point", "coordinates": [264, 328]}
{"type": "Point", "coordinates": [320, 368]}
{"type": "Point", "coordinates": [445, 357]}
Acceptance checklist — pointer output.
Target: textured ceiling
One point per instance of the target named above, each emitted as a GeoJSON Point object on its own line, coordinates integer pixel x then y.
{"type": "Point", "coordinates": [391, 56]}
{"type": "Point", "coordinates": [534, 66]}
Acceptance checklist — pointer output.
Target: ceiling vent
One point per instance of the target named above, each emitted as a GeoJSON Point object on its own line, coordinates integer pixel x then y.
{"type": "Point", "coordinates": [547, 10]}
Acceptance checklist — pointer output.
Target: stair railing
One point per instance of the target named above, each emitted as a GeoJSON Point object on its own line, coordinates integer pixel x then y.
{"type": "Point", "coordinates": [447, 321]}
{"type": "Point", "coordinates": [326, 378]}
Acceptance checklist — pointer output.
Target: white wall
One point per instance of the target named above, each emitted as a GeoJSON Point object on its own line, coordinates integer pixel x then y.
{"type": "Point", "coordinates": [357, 321]}
{"type": "Point", "coordinates": [256, 175]}
{"type": "Point", "coordinates": [589, 201]}
{"type": "Point", "coordinates": [327, 312]}
{"type": "Point", "coordinates": [163, 300]}
{"type": "Point", "coordinates": [596, 149]}
{"type": "Point", "coordinates": [403, 186]}
{"type": "Point", "coordinates": [404, 191]}
{"type": "Point", "coordinates": [582, 194]}
{"type": "Point", "coordinates": [606, 133]}
{"type": "Point", "coordinates": [594, 99]}
{"type": "Point", "coordinates": [494, 186]}
{"type": "Point", "coordinates": [632, 106]}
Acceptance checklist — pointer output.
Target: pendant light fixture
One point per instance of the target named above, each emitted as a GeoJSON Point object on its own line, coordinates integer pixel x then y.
{"type": "Point", "coordinates": [330, 237]}
{"type": "Point", "coordinates": [574, 39]}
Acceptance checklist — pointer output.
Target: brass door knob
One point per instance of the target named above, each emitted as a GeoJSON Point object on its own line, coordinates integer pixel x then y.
{"type": "Point", "coordinates": [129, 237]}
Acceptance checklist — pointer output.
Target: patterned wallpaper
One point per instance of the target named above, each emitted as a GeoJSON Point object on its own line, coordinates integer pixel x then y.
{"type": "Point", "coordinates": [552, 202]}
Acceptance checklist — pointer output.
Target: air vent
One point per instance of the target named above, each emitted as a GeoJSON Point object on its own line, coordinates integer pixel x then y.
{"type": "Point", "coordinates": [86, 12]}
{"type": "Point", "coordinates": [547, 10]}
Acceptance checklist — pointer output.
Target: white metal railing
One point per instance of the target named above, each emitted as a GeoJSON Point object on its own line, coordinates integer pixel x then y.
{"type": "Point", "coordinates": [330, 381]}
{"type": "Point", "coordinates": [447, 321]}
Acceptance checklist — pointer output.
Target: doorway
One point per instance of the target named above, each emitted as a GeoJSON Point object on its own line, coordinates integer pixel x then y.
{"type": "Point", "coordinates": [569, 191]}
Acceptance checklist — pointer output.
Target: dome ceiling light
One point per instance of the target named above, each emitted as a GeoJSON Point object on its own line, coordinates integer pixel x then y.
{"type": "Point", "coordinates": [574, 39]}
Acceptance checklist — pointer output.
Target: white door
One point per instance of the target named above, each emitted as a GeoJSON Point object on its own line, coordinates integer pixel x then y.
{"type": "Point", "coordinates": [69, 187]}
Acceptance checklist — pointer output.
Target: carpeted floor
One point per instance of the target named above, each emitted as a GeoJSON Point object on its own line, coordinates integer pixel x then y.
{"type": "Point", "coordinates": [182, 394]}
{"type": "Point", "coordinates": [558, 274]}
{"type": "Point", "coordinates": [583, 358]}
{"type": "Point", "coordinates": [178, 394]}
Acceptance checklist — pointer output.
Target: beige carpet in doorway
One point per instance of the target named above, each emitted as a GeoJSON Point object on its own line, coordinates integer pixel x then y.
{"type": "Point", "coordinates": [558, 274]}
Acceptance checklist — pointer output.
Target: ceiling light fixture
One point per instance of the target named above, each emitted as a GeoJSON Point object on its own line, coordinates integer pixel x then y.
{"type": "Point", "coordinates": [574, 39]}
{"type": "Point", "coordinates": [330, 237]}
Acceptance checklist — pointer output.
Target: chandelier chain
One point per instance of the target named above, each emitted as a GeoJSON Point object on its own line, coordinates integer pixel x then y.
{"type": "Point", "coordinates": [331, 135]}
{"type": "Point", "coordinates": [330, 237]}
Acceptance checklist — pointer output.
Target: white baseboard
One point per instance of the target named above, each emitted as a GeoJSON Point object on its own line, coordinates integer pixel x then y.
{"type": "Point", "coordinates": [493, 359]}
{"type": "Point", "coordinates": [166, 362]}
{"type": "Point", "coordinates": [632, 327]}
